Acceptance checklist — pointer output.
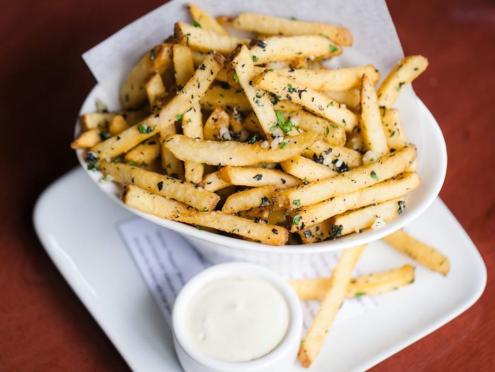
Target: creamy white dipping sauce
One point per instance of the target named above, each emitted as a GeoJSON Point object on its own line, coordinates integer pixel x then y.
{"type": "Point", "coordinates": [237, 319]}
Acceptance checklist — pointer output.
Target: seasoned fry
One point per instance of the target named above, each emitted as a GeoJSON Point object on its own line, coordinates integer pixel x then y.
{"type": "Point", "coordinates": [371, 121]}
{"type": "Point", "coordinates": [306, 169]}
{"type": "Point", "coordinates": [183, 64]}
{"type": "Point", "coordinates": [312, 100]}
{"type": "Point", "coordinates": [86, 139]}
{"type": "Point", "coordinates": [319, 232]}
{"type": "Point", "coordinates": [254, 177]}
{"type": "Point", "coordinates": [333, 134]}
{"type": "Point", "coordinates": [157, 60]}
{"type": "Point", "coordinates": [252, 124]}
{"type": "Point", "coordinates": [364, 218]}
{"type": "Point", "coordinates": [378, 193]}
{"type": "Point", "coordinates": [217, 126]}
{"type": "Point", "coordinates": [351, 98]}
{"type": "Point", "coordinates": [167, 115]}
{"type": "Point", "coordinates": [259, 100]}
{"type": "Point", "coordinates": [340, 79]}
{"type": "Point", "coordinates": [117, 125]}
{"type": "Point", "coordinates": [144, 153]}
{"type": "Point", "coordinates": [236, 153]}
{"type": "Point", "coordinates": [226, 98]}
{"type": "Point", "coordinates": [364, 285]}
{"type": "Point", "coordinates": [403, 73]}
{"type": "Point", "coordinates": [396, 138]}
{"type": "Point", "coordinates": [329, 306]}
{"type": "Point", "coordinates": [248, 199]}
{"type": "Point", "coordinates": [162, 207]}
{"type": "Point", "coordinates": [355, 179]}
{"type": "Point", "coordinates": [162, 185]}
{"type": "Point", "coordinates": [338, 157]}
{"type": "Point", "coordinates": [205, 40]}
{"type": "Point", "coordinates": [172, 166]}
{"type": "Point", "coordinates": [213, 182]}
{"type": "Point", "coordinates": [155, 90]}
{"type": "Point", "coordinates": [420, 252]}
{"type": "Point", "coordinates": [205, 21]}
{"type": "Point", "coordinates": [287, 48]}
{"type": "Point", "coordinates": [269, 25]}
{"type": "Point", "coordinates": [95, 120]}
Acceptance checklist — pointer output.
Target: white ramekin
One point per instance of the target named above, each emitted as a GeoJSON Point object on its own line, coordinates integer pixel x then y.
{"type": "Point", "coordinates": [280, 359]}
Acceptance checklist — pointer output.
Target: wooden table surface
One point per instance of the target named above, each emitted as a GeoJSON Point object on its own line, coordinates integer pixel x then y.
{"type": "Point", "coordinates": [43, 81]}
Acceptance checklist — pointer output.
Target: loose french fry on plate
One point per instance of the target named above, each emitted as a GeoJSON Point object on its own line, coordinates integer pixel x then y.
{"type": "Point", "coordinates": [248, 199]}
{"type": "Point", "coordinates": [364, 285]}
{"type": "Point", "coordinates": [162, 207]}
{"type": "Point", "coordinates": [396, 138]}
{"type": "Point", "coordinates": [144, 153]}
{"type": "Point", "coordinates": [236, 153]}
{"type": "Point", "coordinates": [132, 91]}
{"type": "Point", "coordinates": [254, 177]}
{"type": "Point", "coordinates": [168, 114]}
{"type": "Point", "coordinates": [331, 79]}
{"type": "Point", "coordinates": [269, 25]}
{"type": "Point", "coordinates": [312, 100]}
{"type": "Point", "coordinates": [420, 252]}
{"type": "Point", "coordinates": [379, 193]}
{"type": "Point", "coordinates": [329, 306]}
{"type": "Point", "coordinates": [162, 185]}
{"type": "Point", "coordinates": [372, 216]}
{"type": "Point", "coordinates": [260, 100]}
{"type": "Point", "coordinates": [279, 48]}
{"type": "Point", "coordinates": [205, 40]}
{"type": "Point", "coordinates": [355, 179]}
{"type": "Point", "coordinates": [403, 73]}
{"type": "Point", "coordinates": [218, 96]}
{"type": "Point", "coordinates": [306, 169]}
{"type": "Point", "coordinates": [205, 21]}
{"type": "Point", "coordinates": [372, 130]}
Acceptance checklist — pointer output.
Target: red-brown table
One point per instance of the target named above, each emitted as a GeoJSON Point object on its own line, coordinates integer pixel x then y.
{"type": "Point", "coordinates": [43, 80]}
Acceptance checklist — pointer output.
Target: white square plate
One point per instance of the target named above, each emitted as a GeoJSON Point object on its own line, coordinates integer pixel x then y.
{"type": "Point", "coordinates": [80, 235]}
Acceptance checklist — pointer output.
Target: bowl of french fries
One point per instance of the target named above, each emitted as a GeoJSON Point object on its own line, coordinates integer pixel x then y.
{"type": "Point", "coordinates": [252, 147]}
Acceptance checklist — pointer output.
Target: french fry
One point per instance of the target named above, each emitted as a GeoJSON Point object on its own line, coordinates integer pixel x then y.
{"type": "Point", "coordinates": [172, 166]}
{"type": "Point", "coordinates": [333, 134]}
{"type": "Point", "coordinates": [235, 120]}
{"type": "Point", "coordinates": [217, 126]}
{"type": "Point", "coordinates": [205, 21]}
{"type": "Point", "coordinates": [396, 138]}
{"type": "Point", "coordinates": [378, 193]}
{"type": "Point", "coordinates": [155, 90]}
{"type": "Point", "coordinates": [86, 139]}
{"type": "Point", "coordinates": [95, 120]}
{"type": "Point", "coordinates": [260, 100]}
{"type": "Point", "coordinates": [329, 306]}
{"type": "Point", "coordinates": [252, 124]}
{"type": "Point", "coordinates": [268, 25]}
{"type": "Point", "coordinates": [371, 120]}
{"type": "Point", "coordinates": [420, 252]}
{"type": "Point", "coordinates": [205, 40]}
{"type": "Point", "coordinates": [312, 100]}
{"type": "Point", "coordinates": [319, 232]}
{"type": "Point", "coordinates": [213, 182]}
{"type": "Point", "coordinates": [339, 79]}
{"type": "Point", "coordinates": [248, 199]}
{"type": "Point", "coordinates": [162, 207]}
{"type": "Point", "coordinates": [306, 169]}
{"type": "Point", "coordinates": [323, 153]}
{"type": "Point", "coordinates": [351, 98]}
{"type": "Point", "coordinates": [255, 177]}
{"type": "Point", "coordinates": [236, 153]}
{"type": "Point", "coordinates": [287, 106]}
{"type": "Point", "coordinates": [157, 60]}
{"type": "Point", "coordinates": [167, 115]}
{"type": "Point", "coordinates": [364, 285]}
{"type": "Point", "coordinates": [403, 73]}
{"type": "Point", "coordinates": [183, 64]}
{"type": "Point", "coordinates": [144, 153]}
{"type": "Point", "coordinates": [364, 218]}
{"type": "Point", "coordinates": [117, 124]}
{"type": "Point", "coordinates": [161, 185]}
{"type": "Point", "coordinates": [226, 98]}
{"type": "Point", "coordinates": [287, 48]}
{"type": "Point", "coordinates": [257, 214]}
{"type": "Point", "coordinates": [355, 179]}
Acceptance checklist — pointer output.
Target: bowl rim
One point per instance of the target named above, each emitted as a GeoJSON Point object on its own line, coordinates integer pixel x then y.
{"type": "Point", "coordinates": [327, 246]}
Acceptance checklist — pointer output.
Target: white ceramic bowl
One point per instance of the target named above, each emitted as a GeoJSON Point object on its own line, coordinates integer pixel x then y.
{"type": "Point", "coordinates": [421, 129]}
{"type": "Point", "coordinates": [280, 359]}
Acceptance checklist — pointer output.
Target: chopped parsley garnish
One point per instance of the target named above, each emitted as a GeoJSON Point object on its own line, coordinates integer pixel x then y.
{"type": "Point", "coordinates": [196, 24]}
{"type": "Point", "coordinates": [333, 48]}
{"type": "Point", "coordinates": [282, 145]}
{"type": "Point", "coordinates": [320, 159]}
{"type": "Point", "coordinates": [92, 161]}
{"type": "Point", "coordinates": [133, 163]}
{"type": "Point", "coordinates": [252, 138]}
{"type": "Point", "coordinates": [296, 203]}
{"type": "Point", "coordinates": [104, 135]}
{"type": "Point", "coordinates": [235, 77]}
{"type": "Point", "coordinates": [265, 202]}
{"type": "Point", "coordinates": [290, 88]}
{"type": "Point", "coordinates": [178, 117]}
{"type": "Point", "coordinates": [402, 206]}
{"type": "Point", "coordinates": [296, 220]}
{"type": "Point", "coordinates": [401, 83]}
{"type": "Point", "coordinates": [254, 58]}
{"type": "Point", "coordinates": [258, 177]}
{"type": "Point", "coordinates": [359, 294]}
{"type": "Point", "coordinates": [336, 231]}
{"type": "Point", "coordinates": [144, 129]}
{"type": "Point", "coordinates": [374, 175]}
{"type": "Point", "coordinates": [285, 125]}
